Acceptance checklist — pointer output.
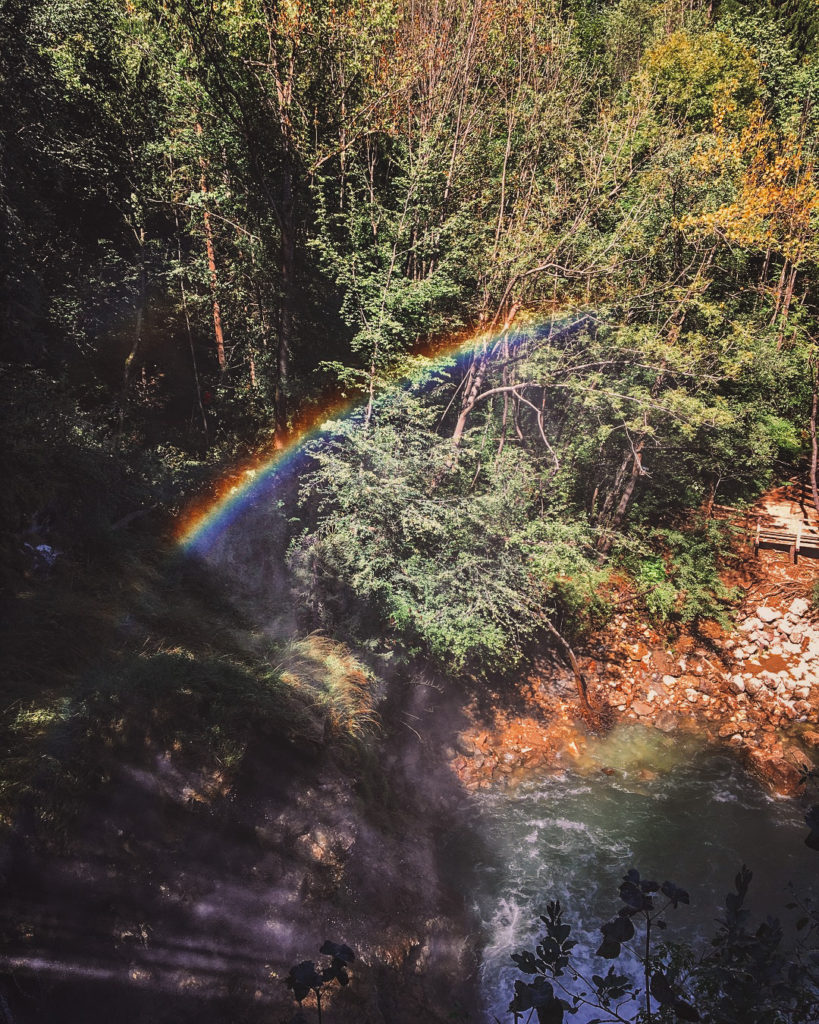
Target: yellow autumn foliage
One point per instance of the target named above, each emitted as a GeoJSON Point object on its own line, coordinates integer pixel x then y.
{"type": "Point", "coordinates": [776, 194]}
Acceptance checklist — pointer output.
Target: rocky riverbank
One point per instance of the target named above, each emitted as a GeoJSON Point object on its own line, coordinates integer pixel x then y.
{"type": "Point", "coordinates": [754, 687]}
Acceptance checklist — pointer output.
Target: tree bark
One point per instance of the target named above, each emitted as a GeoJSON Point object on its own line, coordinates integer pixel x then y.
{"type": "Point", "coordinates": [579, 678]}
{"type": "Point", "coordinates": [607, 539]}
{"type": "Point", "coordinates": [814, 447]}
{"type": "Point", "coordinates": [786, 305]}
{"type": "Point", "coordinates": [191, 346]}
{"type": "Point", "coordinates": [476, 375]}
{"type": "Point", "coordinates": [287, 264]}
{"type": "Point", "coordinates": [214, 281]}
{"type": "Point", "coordinates": [137, 336]}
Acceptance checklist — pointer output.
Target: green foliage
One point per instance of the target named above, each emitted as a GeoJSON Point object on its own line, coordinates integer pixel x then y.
{"type": "Point", "coordinates": [463, 575]}
{"type": "Point", "coordinates": [682, 582]}
{"type": "Point", "coordinates": [696, 75]}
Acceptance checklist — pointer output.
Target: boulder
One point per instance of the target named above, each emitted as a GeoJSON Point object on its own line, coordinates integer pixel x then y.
{"type": "Point", "coordinates": [663, 662]}
{"type": "Point", "coordinates": [636, 651]}
{"type": "Point", "coordinates": [774, 767]}
{"type": "Point", "coordinates": [798, 607]}
{"type": "Point", "coordinates": [665, 722]}
{"type": "Point", "coordinates": [767, 614]}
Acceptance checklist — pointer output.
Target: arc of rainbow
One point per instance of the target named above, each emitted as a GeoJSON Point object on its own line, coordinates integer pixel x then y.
{"type": "Point", "coordinates": [200, 529]}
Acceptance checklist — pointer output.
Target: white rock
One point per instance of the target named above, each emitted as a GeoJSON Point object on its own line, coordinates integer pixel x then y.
{"type": "Point", "coordinates": [768, 614]}
{"type": "Point", "coordinates": [776, 649]}
{"type": "Point", "coordinates": [752, 686]}
{"type": "Point", "coordinates": [691, 695]}
{"type": "Point", "coordinates": [738, 684]}
{"type": "Point", "coordinates": [792, 648]}
{"type": "Point", "coordinates": [669, 680]}
{"type": "Point", "coordinates": [749, 625]}
{"type": "Point", "coordinates": [803, 693]}
{"type": "Point", "coordinates": [798, 607]}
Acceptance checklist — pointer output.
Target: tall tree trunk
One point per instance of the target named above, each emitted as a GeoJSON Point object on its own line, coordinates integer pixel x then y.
{"type": "Point", "coordinates": [214, 281]}
{"type": "Point", "coordinates": [779, 290]}
{"type": "Point", "coordinates": [786, 305]}
{"type": "Point", "coordinates": [287, 264]}
{"type": "Point", "coordinates": [137, 335]}
{"type": "Point", "coordinates": [191, 347]}
{"type": "Point", "coordinates": [814, 447]}
{"type": "Point", "coordinates": [615, 489]}
{"type": "Point", "coordinates": [477, 372]}
{"type": "Point", "coordinates": [475, 378]}
{"type": "Point", "coordinates": [607, 539]}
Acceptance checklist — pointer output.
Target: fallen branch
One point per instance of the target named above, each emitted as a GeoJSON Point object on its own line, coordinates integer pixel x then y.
{"type": "Point", "coordinates": [580, 679]}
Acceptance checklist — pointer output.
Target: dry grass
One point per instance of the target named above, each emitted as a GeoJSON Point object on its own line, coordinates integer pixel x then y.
{"type": "Point", "coordinates": [329, 676]}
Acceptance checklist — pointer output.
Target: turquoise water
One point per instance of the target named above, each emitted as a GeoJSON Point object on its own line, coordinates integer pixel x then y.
{"type": "Point", "coordinates": [671, 808]}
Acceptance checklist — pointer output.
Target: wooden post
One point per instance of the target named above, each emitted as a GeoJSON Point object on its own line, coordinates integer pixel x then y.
{"type": "Point", "coordinates": [798, 542]}
{"type": "Point", "coordinates": [756, 539]}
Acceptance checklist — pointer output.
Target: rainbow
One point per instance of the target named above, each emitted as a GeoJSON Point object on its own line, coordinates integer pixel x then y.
{"type": "Point", "coordinates": [245, 487]}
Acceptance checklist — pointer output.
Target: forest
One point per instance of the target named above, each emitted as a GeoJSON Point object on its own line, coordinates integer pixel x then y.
{"type": "Point", "coordinates": [560, 258]}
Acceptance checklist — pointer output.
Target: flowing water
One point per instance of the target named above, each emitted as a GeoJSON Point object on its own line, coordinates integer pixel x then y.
{"type": "Point", "coordinates": [670, 807]}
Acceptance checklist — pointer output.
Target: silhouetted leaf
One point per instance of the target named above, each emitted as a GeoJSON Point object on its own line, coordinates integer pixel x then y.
{"type": "Point", "coordinates": [302, 978]}
{"type": "Point", "coordinates": [620, 929]}
{"type": "Point", "coordinates": [338, 951]}
{"type": "Point", "coordinates": [661, 989]}
{"type": "Point", "coordinates": [526, 961]}
{"type": "Point", "coordinates": [609, 949]}
{"type": "Point", "coordinates": [674, 893]}
{"type": "Point", "coordinates": [685, 1011]}
{"type": "Point", "coordinates": [666, 996]}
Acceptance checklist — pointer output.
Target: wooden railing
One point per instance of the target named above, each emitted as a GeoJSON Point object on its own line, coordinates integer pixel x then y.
{"type": "Point", "coordinates": [804, 540]}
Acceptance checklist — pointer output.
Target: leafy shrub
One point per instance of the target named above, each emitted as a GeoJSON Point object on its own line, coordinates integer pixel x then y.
{"type": "Point", "coordinates": [400, 543]}
{"type": "Point", "coordinates": [680, 581]}
{"type": "Point", "coordinates": [747, 974]}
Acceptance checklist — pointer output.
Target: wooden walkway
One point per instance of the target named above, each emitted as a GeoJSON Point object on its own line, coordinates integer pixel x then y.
{"type": "Point", "coordinates": [784, 520]}
{"type": "Point", "coordinates": [804, 540]}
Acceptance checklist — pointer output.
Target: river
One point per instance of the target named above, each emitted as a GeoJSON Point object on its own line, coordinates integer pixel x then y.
{"type": "Point", "coordinates": [669, 806]}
